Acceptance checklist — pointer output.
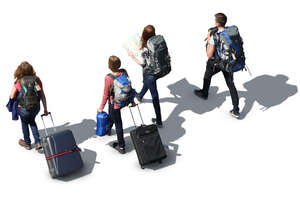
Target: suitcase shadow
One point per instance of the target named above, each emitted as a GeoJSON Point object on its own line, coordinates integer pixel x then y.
{"type": "Point", "coordinates": [82, 131]}
{"type": "Point", "coordinates": [183, 96]}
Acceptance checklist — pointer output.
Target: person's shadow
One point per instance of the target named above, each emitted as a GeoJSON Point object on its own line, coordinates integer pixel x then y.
{"type": "Point", "coordinates": [82, 132]}
{"type": "Point", "coordinates": [185, 99]}
{"type": "Point", "coordinates": [267, 91]}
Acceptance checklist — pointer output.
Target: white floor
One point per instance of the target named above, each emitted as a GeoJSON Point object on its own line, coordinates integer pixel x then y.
{"type": "Point", "coordinates": [209, 152]}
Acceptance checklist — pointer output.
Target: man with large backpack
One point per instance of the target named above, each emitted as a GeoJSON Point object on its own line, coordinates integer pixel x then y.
{"type": "Point", "coordinates": [225, 53]}
{"type": "Point", "coordinates": [156, 64]}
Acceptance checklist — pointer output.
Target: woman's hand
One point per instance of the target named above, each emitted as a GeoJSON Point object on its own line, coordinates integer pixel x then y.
{"type": "Point", "coordinates": [130, 54]}
{"type": "Point", "coordinates": [134, 58]}
{"type": "Point", "coordinates": [99, 110]}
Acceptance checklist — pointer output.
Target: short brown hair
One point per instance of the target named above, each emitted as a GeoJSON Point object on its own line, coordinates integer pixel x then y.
{"type": "Point", "coordinates": [221, 19]}
{"type": "Point", "coordinates": [148, 32]}
{"type": "Point", "coordinates": [24, 69]}
{"type": "Point", "coordinates": [114, 63]}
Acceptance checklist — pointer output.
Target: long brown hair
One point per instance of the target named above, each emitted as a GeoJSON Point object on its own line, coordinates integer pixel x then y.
{"type": "Point", "coordinates": [148, 32]}
{"type": "Point", "coordinates": [24, 69]}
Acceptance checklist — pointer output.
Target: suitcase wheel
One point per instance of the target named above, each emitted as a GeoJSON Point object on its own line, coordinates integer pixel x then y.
{"type": "Point", "coordinates": [143, 167]}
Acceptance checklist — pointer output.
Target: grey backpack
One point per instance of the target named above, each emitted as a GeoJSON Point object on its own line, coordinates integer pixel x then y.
{"type": "Point", "coordinates": [121, 90]}
{"type": "Point", "coordinates": [159, 61]}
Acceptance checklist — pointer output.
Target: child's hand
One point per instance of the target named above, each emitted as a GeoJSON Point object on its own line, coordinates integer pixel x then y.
{"type": "Point", "coordinates": [133, 104]}
{"type": "Point", "coordinates": [46, 112]}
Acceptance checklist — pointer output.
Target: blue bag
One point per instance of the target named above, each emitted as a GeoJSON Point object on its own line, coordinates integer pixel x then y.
{"type": "Point", "coordinates": [102, 121]}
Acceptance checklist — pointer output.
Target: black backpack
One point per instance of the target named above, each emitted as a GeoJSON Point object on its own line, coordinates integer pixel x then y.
{"type": "Point", "coordinates": [30, 94]}
{"type": "Point", "coordinates": [159, 63]}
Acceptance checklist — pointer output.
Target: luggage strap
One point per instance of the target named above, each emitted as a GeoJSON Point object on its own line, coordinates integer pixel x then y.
{"type": "Point", "coordinates": [64, 153]}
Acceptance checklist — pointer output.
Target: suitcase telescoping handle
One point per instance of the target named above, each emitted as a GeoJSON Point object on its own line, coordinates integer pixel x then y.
{"type": "Point", "coordinates": [42, 116]}
{"type": "Point", "coordinates": [139, 113]}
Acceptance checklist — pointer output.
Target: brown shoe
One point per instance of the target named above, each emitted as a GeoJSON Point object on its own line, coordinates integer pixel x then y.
{"type": "Point", "coordinates": [23, 144]}
{"type": "Point", "coordinates": [38, 146]}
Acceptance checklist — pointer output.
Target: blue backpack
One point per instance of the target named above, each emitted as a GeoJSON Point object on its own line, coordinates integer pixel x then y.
{"type": "Point", "coordinates": [229, 46]}
{"type": "Point", "coordinates": [121, 91]}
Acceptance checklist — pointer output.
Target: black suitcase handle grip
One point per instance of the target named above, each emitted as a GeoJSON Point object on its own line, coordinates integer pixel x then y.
{"type": "Point", "coordinates": [49, 113]}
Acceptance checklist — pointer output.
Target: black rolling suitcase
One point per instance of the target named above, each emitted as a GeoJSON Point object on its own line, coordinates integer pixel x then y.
{"type": "Point", "coordinates": [61, 152]}
{"type": "Point", "coordinates": [147, 143]}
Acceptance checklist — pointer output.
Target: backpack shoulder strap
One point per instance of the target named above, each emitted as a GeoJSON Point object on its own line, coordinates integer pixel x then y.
{"type": "Point", "coordinates": [22, 84]}
{"type": "Point", "coordinates": [111, 76]}
{"type": "Point", "coordinates": [226, 36]}
{"type": "Point", "coordinates": [216, 37]}
{"type": "Point", "coordinates": [124, 72]}
{"type": "Point", "coordinates": [111, 91]}
{"type": "Point", "coordinates": [35, 78]}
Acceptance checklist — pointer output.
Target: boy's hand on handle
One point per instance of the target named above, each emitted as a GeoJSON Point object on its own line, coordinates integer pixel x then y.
{"type": "Point", "coordinates": [133, 104]}
{"type": "Point", "coordinates": [46, 112]}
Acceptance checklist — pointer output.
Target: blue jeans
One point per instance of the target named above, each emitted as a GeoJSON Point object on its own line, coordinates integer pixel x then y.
{"type": "Point", "coordinates": [28, 118]}
{"type": "Point", "coordinates": [149, 83]}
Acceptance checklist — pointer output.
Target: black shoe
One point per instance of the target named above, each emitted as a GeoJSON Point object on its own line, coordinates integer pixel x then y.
{"type": "Point", "coordinates": [201, 94]}
{"type": "Point", "coordinates": [235, 113]}
{"type": "Point", "coordinates": [155, 122]}
{"type": "Point", "coordinates": [116, 146]}
{"type": "Point", "coordinates": [109, 133]}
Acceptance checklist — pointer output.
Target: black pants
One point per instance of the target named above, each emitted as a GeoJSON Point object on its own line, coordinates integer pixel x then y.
{"type": "Point", "coordinates": [211, 70]}
{"type": "Point", "coordinates": [114, 117]}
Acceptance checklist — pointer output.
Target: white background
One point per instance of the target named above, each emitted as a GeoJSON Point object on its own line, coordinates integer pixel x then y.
{"type": "Point", "coordinates": [68, 42]}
